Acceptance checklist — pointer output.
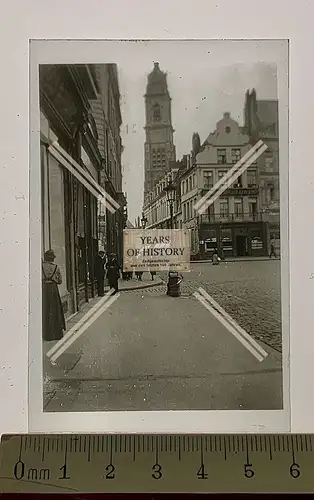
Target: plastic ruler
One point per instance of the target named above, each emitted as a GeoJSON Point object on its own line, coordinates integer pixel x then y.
{"type": "Point", "coordinates": [157, 464]}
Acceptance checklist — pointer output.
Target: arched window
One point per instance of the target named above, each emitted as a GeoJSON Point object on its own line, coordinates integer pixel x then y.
{"type": "Point", "coordinates": [156, 113]}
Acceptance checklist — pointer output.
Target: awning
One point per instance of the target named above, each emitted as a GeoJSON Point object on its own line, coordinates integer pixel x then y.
{"type": "Point", "coordinates": [83, 176]}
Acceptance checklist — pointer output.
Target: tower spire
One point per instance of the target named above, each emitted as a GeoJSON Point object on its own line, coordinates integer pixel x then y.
{"type": "Point", "coordinates": [159, 146]}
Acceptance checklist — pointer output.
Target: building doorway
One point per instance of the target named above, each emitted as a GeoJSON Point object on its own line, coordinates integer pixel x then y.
{"type": "Point", "coordinates": [241, 245]}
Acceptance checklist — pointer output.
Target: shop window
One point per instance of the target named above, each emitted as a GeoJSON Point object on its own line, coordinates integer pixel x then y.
{"type": "Point", "coordinates": [226, 239]}
{"type": "Point", "coordinates": [256, 243]}
{"type": "Point", "coordinates": [211, 241]}
{"type": "Point", "coordinates": [221, 156]}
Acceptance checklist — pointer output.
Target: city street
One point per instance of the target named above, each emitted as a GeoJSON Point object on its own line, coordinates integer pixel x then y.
{"type": "Point", "coordinates": [149, 351]}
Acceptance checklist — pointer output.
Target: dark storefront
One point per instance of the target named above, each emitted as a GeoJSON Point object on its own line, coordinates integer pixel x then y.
{"type": "Point", "coordinates": [65, 91]}
{"type": "Point", "coordinates": [237, 240]}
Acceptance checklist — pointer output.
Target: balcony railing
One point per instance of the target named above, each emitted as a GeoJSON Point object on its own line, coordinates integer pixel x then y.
{"type": "Point", "coordinates": [240, 217]}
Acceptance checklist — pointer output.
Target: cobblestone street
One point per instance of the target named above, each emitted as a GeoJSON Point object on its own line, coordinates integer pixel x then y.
{"type": "Point", "coordinates": [150, 351]}
{"type": "Point", "coordinates": [248, 291]}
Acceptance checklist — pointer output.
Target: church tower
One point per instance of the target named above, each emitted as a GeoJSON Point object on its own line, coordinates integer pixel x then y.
{"type": "Point", "coordinates": [159, 148]}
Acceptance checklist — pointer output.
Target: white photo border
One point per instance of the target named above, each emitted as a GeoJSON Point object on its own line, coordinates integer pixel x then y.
{"type": "Point", "coordinates": [210, 421]}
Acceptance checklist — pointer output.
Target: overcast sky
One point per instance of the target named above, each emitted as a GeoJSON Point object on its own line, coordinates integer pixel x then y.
{"type": "Point", "coordinates": [205, 79]}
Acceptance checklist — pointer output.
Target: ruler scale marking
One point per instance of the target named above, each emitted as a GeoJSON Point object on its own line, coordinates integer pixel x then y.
{"type": "Point", "coordinates": [290, 454]}
{"type": "Point", "coordinates": [43, 450]}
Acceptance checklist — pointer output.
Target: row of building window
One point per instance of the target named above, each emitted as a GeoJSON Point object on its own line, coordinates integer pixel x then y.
{"type": "Point", "coordinates": [222, 155]}
{"type": "Point", "coordinates": [208, 180]}
{"type": "Point", "coordinates": [224, 208]}
{"type": "Point", "coordinates": [188, 184]}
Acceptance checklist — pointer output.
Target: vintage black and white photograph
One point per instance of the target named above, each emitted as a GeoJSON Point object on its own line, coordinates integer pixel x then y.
{"type": "Point", "coordinates": [172, 138]}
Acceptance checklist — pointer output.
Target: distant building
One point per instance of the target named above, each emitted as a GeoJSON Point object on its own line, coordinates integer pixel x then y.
{"type": "Point", "coordinates": [159, 147]}
{"type": "Point", "coordinates": [245, 218]}
{"type": "Point", "coordinates": [107, 114]}
{"type": "Point", "coordinates": [233, 222]}
{"type": "Point", "coordinates": [129, 225]}
{"type": "Point", "coordinates": [262, 122]}
{"type": "Point", "coordinates": [156, 208]}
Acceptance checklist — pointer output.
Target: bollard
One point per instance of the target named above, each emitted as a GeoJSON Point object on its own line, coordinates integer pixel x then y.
{"type": "Point", "coordinates": [173, 285]}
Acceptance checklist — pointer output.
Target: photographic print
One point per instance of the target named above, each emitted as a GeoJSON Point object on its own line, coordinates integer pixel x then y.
{"type": "Point", "coordinates": [163, 245]}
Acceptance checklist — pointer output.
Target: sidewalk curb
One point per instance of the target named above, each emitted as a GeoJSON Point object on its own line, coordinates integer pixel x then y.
{"type": "Point", "coordinates": [264, 259]}
{"type": "Point", "coordinates": [141, 287]}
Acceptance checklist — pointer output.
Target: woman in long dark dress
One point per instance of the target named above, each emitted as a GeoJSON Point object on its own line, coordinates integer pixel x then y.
{"type": "Point", "coordinates": [113, 272]}
{"type": "Point", "coordinates": [53, 322]}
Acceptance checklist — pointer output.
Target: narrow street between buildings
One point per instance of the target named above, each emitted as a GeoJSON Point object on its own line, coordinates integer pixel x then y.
{"type": "Point", "coordinates": [149, 351]}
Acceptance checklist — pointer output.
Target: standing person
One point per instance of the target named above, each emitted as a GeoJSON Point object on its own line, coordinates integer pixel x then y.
{"type": "Point", "coordinates": [272, 250]}
{"type": "Point", "coordinates": [216, 258]}
{"type": "Point", "coordinates": [113, 272]}
{"type": "Point", "coordinates": [53, 322]}
{"type": "Point", "coordinates": [153, 274]}
{"type": "Point", "coordinates": [100, 263]}
{"type": "Point", "coordinates": [139, 275]}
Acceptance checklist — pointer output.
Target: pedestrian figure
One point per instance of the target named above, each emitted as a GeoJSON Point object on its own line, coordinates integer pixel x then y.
{"type": "Point", "coordinates": [272, 250]}
{"type": "Point", "coordinates": [113, 272]}
{"type": "Point", "coordinates": [216, 258]}
{"type": "Point", "coordinates": [100, 272]}
{"type": "Point", "coordinates": [139, 275]}
{"type": "Point", "coordinates": [53, 322]}
{"type": "Point", "coordinates": [153, 274]}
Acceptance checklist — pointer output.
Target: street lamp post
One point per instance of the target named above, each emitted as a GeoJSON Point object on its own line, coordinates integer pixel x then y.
{"type": "Point", "coordinates": [143, 221]}
{"type": "Point", "coordinates": [173, 285]}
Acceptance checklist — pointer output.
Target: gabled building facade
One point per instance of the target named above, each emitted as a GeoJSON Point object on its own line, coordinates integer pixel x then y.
{"type": "Point", "coordinates": [233, 223]}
